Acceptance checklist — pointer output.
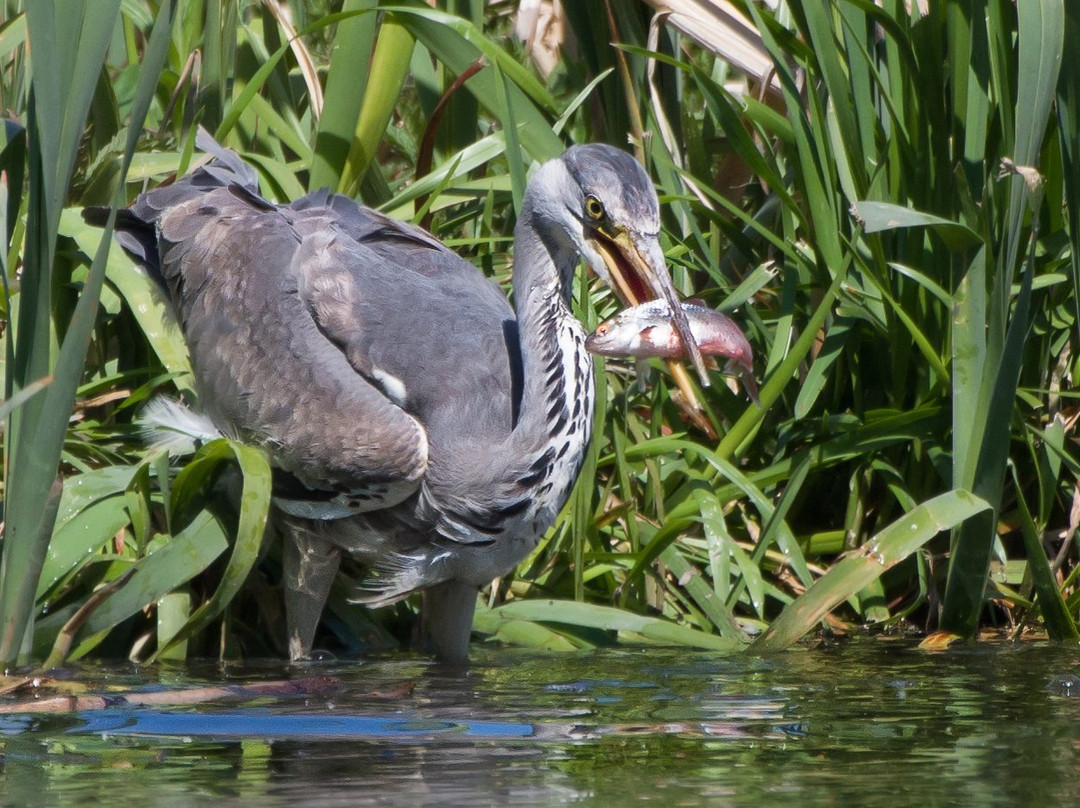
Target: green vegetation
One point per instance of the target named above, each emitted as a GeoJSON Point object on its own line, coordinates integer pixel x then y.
{"type": "Point", "coordinates": [891, 213]}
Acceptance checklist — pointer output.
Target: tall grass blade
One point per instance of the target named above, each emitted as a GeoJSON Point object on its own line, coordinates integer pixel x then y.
{"type": "Point", "coordinates": [29, 391]}
{"type": "Point", "coordinates": [346, 87]}
{"type": "Point", "coordinates": [13, 164]}
{"type": "Point", "coordinates": [214, 75]}
{"type": "Point", "coordinates": [513, 149]}
{"type": "Point", "coordinates": [389, 67]}
{"type": "Point", "coordinates": [1068, 113]}
{"type": "Point", "coordinates": [1060, 624]}
{"type": "Point", "coordinates": [877, 217]}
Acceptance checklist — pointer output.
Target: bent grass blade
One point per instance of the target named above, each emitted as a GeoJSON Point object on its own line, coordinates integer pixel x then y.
{"type": "Point", "coordinates": [857, 570]}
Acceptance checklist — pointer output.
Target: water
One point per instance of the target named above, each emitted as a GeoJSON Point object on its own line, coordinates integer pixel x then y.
{"type": "Point", "coordinates": [864, 723]}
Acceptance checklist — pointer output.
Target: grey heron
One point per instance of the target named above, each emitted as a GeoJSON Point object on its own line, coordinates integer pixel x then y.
{"type": "Point", "coordinates": [417, 421]}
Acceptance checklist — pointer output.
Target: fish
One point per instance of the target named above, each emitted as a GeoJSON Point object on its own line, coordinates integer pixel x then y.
{"type": "Point", "coordinates": [648, 330]}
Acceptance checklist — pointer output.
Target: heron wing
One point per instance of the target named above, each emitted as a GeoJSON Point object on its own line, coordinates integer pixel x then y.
{"type": "Point", "coordinates": [415, 318]}
{"type": "Point", "coordinates": [265, 370]}
{"type": "Point", "coordinates": [364, 354]}
{"type": "Point", "coordinates": [437, 337]}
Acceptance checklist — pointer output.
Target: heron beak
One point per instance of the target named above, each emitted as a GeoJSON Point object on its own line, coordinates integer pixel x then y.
{"type": "Point", "coordinates": [638, 273]}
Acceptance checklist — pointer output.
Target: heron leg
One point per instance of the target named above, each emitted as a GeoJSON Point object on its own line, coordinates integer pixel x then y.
{"type": "Point", "coordinates": [446, 615]}
{"type": "Point", "coordinates": [311, 562]}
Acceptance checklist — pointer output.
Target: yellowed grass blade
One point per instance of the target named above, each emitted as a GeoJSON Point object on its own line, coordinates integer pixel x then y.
{"type": "Point", "coordinates": [719, 27]}
{"type": "Point", "coordinates": [283, 15]}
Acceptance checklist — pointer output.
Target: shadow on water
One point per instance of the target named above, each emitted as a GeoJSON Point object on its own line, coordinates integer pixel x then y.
{"type": "Point", "coordinates": [860, 723]}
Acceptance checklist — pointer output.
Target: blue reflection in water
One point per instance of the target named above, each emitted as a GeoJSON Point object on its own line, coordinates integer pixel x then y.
{"type": "Point", "coordinates": [251, 724]}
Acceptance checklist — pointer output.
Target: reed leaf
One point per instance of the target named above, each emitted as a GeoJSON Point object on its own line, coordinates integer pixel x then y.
{"type": "Point", "coordinates": [389, 67]}
{"type": "Point", "coordinates": [254, 506]}
{"type": "Point", "coordinates": [156, 575]}
{"type": "Point", "coordinates": [588, 615]}
{"type": "Point", "coordinates": [857, 570]}
{"type": "Point", "coordinates": [345, 92]}
{"type": "Point", "coordinates": [1060, 624]}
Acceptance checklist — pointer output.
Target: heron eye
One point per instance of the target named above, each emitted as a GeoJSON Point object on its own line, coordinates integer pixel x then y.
{"type": "Point", "coordinates": [594, 208]}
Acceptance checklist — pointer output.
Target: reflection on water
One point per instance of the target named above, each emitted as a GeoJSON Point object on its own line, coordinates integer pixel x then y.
{"type": "Point", "coordinates": [860, 723]}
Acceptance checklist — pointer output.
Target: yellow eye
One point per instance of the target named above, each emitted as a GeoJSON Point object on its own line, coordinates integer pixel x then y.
{"type": "Point", "coordinates": [594, 208]}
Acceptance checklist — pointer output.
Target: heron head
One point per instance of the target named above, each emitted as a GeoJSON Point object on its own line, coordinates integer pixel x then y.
{"type": "Point", "coordinates": [606, 204]}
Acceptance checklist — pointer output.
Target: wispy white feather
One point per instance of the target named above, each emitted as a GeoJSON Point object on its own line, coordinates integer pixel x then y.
{"type": "Point", "coordinates": [171, 425]}
{"type": "Point", "coordinates": [392, 577]}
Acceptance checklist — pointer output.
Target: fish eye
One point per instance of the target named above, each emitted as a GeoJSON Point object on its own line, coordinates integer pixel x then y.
{"type": "Point", "coordinates": [594, 208]}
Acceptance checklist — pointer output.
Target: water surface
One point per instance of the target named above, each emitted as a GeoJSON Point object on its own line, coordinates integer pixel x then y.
{"type": "Point", "coordinates": [860, 723]}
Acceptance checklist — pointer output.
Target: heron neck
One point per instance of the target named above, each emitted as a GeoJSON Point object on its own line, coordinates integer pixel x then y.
{"type": "Point", "coordinates": [556, 370]}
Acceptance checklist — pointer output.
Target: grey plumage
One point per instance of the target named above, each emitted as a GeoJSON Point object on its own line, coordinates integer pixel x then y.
{"type": "Point", "coordinates": [435, 430]}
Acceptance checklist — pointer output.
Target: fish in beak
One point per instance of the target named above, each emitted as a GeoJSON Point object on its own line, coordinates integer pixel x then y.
{"type": "Point", "coordinates": [648, 330]}
{"type": "Point", "coordinates": [637, 272]}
